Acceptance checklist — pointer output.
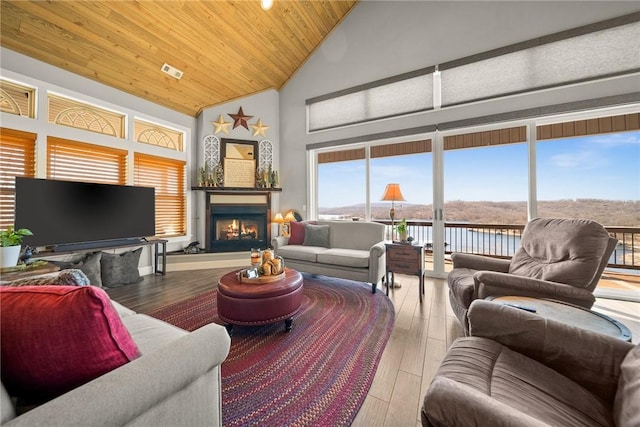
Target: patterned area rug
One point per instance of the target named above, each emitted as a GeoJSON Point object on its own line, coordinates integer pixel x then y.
{"type": "Point", "coordinates": [318, 374]}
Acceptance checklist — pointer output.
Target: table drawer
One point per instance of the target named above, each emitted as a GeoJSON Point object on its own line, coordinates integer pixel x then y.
{"type": "Point", "coordinates": [404, 267]}
{"type": "Point", "coordinates": [403, 254]}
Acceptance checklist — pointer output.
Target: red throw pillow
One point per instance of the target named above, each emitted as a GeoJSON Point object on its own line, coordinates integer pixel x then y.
{"type": "Point", "coordinates": [296, 232]}
{"type": "Point", "coordinates": [56, 338]}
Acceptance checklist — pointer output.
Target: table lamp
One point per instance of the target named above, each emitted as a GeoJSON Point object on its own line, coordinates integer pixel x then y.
{"type": "Point", "coordinates": [278, 220]}
{"type": "Point", "coordinates": [392, 194]}
{"type": "Point", "coordinates": [288, 219]}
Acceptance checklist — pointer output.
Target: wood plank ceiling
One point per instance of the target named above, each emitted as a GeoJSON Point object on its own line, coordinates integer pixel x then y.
{"type": "Point", "coordinates": [226, 49]}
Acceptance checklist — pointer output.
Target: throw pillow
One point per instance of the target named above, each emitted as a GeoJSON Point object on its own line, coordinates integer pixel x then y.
{"type": "Point", "coordinates": [120, 269]}
{"type": "Point", "coordinates": [88, 263]}
{"type": "Point", "coordinates": [71, 277]}
{"type": "Point", "coordinates": [56, 338]}
{"type": "Point", "coordinates": [316, 235]}
{"type": "Point", "coordinates": [296, 233]}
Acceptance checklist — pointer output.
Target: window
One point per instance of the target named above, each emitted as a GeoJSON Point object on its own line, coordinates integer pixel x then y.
{"type": "Point", "coordinates": [157, 135]}
{"type": "Point", "coordinates": [410, 165]}
{"type": "Point", "coordinates": [342, 184]}
{"type": "Point", "coordinates": [79, 161]}
{"type": "Point", "coordinates": [167, 177]}
{"type": "Point", "coordinates": [17, 158]}
{"type": "Point", "coordinates": [485, 176]}
{"type": "Point", "coordinates": [16, 99]}
{"type": "Point", "coordinates": [63, 111]}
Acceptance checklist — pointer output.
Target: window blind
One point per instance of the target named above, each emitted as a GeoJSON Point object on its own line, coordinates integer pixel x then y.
{"type": "Point", "coordinates": [167, 177]}
{"type": "Point", "coordinates": [79, 161]}
{"type": "Point", "coordinates": [377, 101]}
{"type": "Point", "coordinates": [595, 55]}
{"type": "Point", "coordinates": [17, 158]}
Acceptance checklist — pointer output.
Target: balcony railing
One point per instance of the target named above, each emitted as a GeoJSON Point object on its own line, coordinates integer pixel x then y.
{"type": "Point", "coordinates": [502, 240]}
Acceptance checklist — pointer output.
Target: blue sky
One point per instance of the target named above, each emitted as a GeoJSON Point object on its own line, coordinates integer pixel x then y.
{"type": "Point", "coordinates": [599, 167]}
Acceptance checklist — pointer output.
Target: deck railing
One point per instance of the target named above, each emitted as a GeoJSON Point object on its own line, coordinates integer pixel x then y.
{"type": "Point", "coordinates": [502, 240]}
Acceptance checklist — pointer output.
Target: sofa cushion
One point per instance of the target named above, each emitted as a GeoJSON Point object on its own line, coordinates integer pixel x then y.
{"type": "Point", "coordinates": [561, 250]}
{"type": "Point", "coordinates": [56, 338]}
{"type": "Point", "coordinates": [300, 253]}
{"type": "Point", "coordinates": [521, 383]}
{"type": "Point", "coordinates": [120, 269]}
{"type": "Point", "coordinates": [625, 408]}
{"type": "Point", "coordinates": [316, 235]}
{"type": "Point", "coordinates": [89, 264]}
{"type": "Point", "coordinates": [71, 277]}
{"type": "Point", "coordinates": [345, 257]}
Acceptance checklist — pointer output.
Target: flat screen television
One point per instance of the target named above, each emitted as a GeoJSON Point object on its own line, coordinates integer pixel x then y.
{"type": "Point", "coordinates": [83, 214]}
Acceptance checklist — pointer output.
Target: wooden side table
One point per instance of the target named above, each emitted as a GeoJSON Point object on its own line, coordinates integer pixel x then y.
{"type": "Point", "coordinates": [20, 272]}
{"type": "Point", "coordinates": [405, 259]}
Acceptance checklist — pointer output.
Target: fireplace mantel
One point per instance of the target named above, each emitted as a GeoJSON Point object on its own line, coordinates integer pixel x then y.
{"type": "Point", "coordinates": [235, 190]}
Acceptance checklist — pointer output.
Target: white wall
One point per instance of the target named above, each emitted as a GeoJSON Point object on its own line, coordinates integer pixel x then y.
{"type": "Point", "coordinates": [380, 39]}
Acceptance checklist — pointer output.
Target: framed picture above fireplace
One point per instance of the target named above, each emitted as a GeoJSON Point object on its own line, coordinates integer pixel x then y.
{"type": "Point", "coordinates": [240, 149]}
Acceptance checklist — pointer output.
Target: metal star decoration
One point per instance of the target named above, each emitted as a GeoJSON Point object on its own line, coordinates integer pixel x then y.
{"type": "Point", "coordinates": [259, 128]}
{"type": "Point", "coordinates": [221, 126]}
{"type": "Point", "coordinates": [240, 119]}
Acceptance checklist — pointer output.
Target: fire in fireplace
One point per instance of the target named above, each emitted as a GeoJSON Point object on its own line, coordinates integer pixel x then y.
{"type": "Point", "coordinates": [237, 228]}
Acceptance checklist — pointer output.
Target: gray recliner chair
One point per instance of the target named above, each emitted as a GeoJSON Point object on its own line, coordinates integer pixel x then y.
{"type": "Point", "coordinates": [519, 369]}
{"type": "Point", "coordinates": [561, 259]}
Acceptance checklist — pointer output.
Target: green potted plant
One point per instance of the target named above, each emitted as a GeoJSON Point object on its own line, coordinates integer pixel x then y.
{"type": "Point", "coordinates": [11, 244]}
{"type": "Point", "coordinates": [403, 230]}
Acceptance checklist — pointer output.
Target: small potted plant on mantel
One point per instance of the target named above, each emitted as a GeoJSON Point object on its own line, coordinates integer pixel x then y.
{"type": "Point", "coordinates": [10, 245]}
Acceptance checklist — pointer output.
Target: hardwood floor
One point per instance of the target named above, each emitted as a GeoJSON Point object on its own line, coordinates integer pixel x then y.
{"type": "Point", "coordinates": [421, 335]}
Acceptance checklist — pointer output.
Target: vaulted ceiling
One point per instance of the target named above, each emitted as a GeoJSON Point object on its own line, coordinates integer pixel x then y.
{"type": "Point", "coordinates": [226, 49]}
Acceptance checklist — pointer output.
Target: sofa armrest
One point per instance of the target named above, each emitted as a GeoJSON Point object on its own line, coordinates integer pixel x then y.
{"type": "Point", "coordinates": [123, 395]}
{"type": "Point", "coordinates": [479, 262]}
{"type": "Point", "coordinates": [448, 403]}
{"type": "Point", "coordinates": [377, 262]}
{"type": "Point", "coordinates": [588, 358]}
{"type": "Point", "coordinates": [489, 283]}
{"type": "Point", "coordinates": [279, 241]}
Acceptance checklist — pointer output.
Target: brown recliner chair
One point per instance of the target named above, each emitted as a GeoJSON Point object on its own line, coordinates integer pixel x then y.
{"type": "Point", "coordinates": [560, 259]}
{"type": "Point", "coordinates": [519, 369]}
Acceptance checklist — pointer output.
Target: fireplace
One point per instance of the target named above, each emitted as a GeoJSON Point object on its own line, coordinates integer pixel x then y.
{"type": "Point", "coordinates": [239, 223]}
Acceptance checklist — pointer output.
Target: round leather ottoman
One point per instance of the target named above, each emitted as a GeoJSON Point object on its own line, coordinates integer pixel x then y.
{"type": "Point", "coordinates": [259, 303]}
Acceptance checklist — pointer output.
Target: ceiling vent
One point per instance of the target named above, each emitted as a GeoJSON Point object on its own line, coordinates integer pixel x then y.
{"type": "Point", "coordinates": [172, 71]}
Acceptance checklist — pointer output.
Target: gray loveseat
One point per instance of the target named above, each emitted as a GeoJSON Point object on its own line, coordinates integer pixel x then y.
{"type": "Point", "coordinates": [176, 381]}
{"type": "Point", "coordinates": [355, 250]}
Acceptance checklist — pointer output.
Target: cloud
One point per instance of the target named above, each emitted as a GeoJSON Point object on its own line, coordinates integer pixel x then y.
{"type": "Point", "coordinates": [615, 139]}
{"type": "Point", "coordinates": [584, 159]}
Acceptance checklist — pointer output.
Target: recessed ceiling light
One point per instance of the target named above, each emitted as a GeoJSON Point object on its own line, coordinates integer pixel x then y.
{"type": "Point", "coordinates": [266, 4]}
{"type": "Point", "coordinates": [172, 71]}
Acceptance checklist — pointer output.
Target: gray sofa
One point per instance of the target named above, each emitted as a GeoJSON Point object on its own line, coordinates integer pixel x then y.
{"type": "Point", "coordinates": [355, 251]}
{"type": "Point", "coordinates": [175, 382]}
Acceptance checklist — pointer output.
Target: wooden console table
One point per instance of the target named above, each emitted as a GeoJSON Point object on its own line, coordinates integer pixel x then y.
{"type": "Point", "coordinates": [405, 259]}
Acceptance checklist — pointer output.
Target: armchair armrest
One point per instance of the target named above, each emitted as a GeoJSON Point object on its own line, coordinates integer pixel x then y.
{"type": "Point", "coordinates": [122, 396]}
{"type": "Point", "coordinates": [588, 358]}
{"type": "Point", "coordinates": [377, 262]}
{"type": "Point", "coordinates": [479, 262]}
{"type": "Point", "coordinates": [279, 241]}
{"type": "Point", "coordinates": [488, 283]}
{"type": "Point", "coordinates": [448, 403]}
